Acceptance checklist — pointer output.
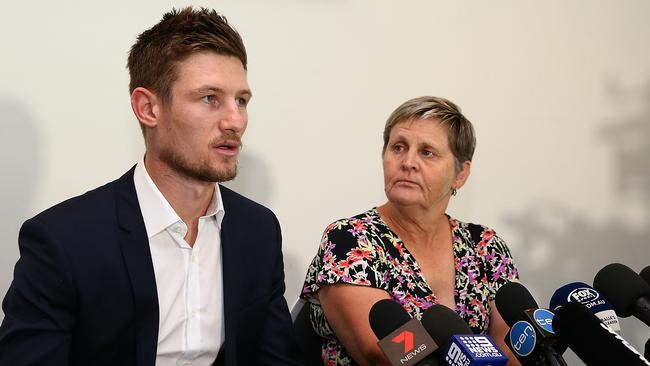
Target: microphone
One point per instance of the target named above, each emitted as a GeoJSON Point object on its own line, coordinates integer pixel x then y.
{"type": "Point", "coordinates": [626, 290]}
{"type": "Point", "coordinates": [645, 274]}
{"type": "Point", "coordinates": [461, 347]}
{"type": "Point", "coordinates": [591, 340]}
{"type": "Point", "coordinates": [403, 340]}
{"type": "Point", "coordinates": [584, 294]}
{"type": "Point", "coordinates": [512, 299]}
{"type": "Point", "coordinates": [531, 337]}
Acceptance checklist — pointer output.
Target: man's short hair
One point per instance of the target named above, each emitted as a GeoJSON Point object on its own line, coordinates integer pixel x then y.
{"type": "Point", "coordinates": [179, 34]}
{"type": "Point", "coordinates": [460, 132]}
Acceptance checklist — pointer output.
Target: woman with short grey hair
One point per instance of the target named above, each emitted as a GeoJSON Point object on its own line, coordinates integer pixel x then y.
{"type": "Point", "coordinates": [409, 249]}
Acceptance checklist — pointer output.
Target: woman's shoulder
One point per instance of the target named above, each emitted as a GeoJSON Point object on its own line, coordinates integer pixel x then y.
{"type": "Point", "coordinates": [365, 230]}
{"type": "Point", "coordinates": [479, 234]}
{"type": "Point", "coordinates": [471, 227]}
{"type": "Point", "coordinates": [492, 248]}
{"type": "Point", "coordinates": [357, 224]}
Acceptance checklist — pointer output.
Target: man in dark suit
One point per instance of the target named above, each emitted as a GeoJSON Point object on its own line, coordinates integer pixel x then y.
{"type": "Point", "coordinates": [162, 266]}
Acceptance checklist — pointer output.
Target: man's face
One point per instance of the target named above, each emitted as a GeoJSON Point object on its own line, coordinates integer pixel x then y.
{"type": "Point", "coordinates": [199, 131]}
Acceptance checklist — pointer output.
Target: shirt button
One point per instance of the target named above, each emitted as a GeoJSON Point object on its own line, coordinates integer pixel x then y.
{"type": "Point", "coordinates": [194, 258]}
{"type": "Point", "coordinates": [193, 313]}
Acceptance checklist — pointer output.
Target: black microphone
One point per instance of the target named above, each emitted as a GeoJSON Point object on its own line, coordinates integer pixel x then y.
{"type": "Point", "coordinates": [645, 274]}
{"type": "Point", "coordinates": [590, 298]}
{"type": "Point", "coordinates": [512, 299]}
{"type": "Point", "coordinates": [591, 340]}
{"type": "Point", "coordinates": [626, 290]}
{"type": "Point", "coordinates": [460, 347]}
{"type": "Point", "coordinates": [531, 337]}
{"type": "Point", "coordinates": [403, 340]}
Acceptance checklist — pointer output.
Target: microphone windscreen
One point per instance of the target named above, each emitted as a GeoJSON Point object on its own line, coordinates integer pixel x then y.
{"type": "Point", "coordinates": [590, 298]}
{"type": "Point", "coordinates": [385, 316]}
{"type": "Point", "coordinates": [512, 299]}
{"type": "Point", "coordinates": [645, 274]}
{"type": "Point", "coordinates": [621, 286]}
{"type": "Point", "coordinates": [591, 340]}
{"type": "Point", "coordinates": [563, 294]}
{"type": "Point", "coordinates": [442, 323]}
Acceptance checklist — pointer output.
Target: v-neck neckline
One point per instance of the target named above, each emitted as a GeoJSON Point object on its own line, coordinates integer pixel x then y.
{"type": "Point", "coordinates": [410, 258]}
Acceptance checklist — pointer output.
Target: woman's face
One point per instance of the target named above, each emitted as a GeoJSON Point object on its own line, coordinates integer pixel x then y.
{"type": "Point", "coordinates": [419, 167]}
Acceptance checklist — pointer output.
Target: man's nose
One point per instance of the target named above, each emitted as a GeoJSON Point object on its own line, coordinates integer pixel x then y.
{"type": "Point", "coordinates": [234, 118]}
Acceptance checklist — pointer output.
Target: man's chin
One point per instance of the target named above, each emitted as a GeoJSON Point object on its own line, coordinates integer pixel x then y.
{"type": "Point", "coordinates": [224, 173]}
{"type": "Point", "coordinates": [225, 177]}
{"type": "Point", "coordinates": [211, 175]}
{"type": "Point", "coordinates": [217, 175]}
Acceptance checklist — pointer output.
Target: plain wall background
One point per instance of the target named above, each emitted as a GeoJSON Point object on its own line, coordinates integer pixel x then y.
{"type": "Point", "coordinates": [559, 93]}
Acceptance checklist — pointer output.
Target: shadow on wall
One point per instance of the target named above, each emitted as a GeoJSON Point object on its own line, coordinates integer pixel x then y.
{"type": "Point", "coordinates": [254, 181]}
{"type": "Point", "coordinates": [563, 246]}
{"type": "Point", "coordinates": [20, 145]}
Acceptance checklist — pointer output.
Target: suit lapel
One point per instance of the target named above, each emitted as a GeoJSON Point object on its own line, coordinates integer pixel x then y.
{"type": "Point", "coordinates": [137, 258]}
{"type": "Point", "coordinates": [232, 277]}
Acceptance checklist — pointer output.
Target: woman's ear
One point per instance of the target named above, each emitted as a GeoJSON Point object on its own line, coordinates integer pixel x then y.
{"type": "Point", "coordinates": [462, 176]}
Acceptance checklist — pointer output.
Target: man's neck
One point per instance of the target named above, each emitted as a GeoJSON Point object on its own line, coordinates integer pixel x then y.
{"type": "Point", "coordinates": [188, 197]}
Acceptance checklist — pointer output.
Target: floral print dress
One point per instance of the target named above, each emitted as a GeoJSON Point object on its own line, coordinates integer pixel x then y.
{"type": "Point", "coordinates": [363, 250]}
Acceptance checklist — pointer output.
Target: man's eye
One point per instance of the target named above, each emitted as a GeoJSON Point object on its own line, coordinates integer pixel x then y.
{"type": "Point", "coordinates": [398, 148]}
{"type": "Point", "coordinates": [208, 98]}
{"type": "Point", "coordinates": [427, 153]}
{"type": "Point", "coordinates": [242, 102]}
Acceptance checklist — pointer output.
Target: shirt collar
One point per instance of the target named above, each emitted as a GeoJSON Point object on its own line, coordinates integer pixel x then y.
{"type": "Point", "coordinates": [157, 213]}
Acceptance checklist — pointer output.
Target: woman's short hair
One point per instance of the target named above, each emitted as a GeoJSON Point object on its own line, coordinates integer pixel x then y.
{"type": "Point", "coordinates": [460, 131]}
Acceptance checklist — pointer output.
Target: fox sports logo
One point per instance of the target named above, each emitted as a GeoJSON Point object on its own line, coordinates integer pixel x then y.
{"type": "Point", "coordinates": [583, 295]}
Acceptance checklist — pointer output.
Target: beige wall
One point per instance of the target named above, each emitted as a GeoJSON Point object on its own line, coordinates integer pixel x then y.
{"type": "Point", "coordinates": [559, 93]}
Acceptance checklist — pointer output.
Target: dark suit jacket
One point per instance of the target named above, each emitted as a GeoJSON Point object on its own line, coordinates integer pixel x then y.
{"type": "Point", "coordinates": [84, 290]}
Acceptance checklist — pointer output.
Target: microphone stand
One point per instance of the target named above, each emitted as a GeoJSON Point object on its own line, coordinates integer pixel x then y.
{"type": "Point", "coordinates": [552, 358]}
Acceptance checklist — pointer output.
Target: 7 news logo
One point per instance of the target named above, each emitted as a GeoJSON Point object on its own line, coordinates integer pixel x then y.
{"type": "Point", "coordinates": [408, 344]}
{"type": "Point", "coordinates": [410, 350]}
{"type": "Point", "coordinates": [405, 337]}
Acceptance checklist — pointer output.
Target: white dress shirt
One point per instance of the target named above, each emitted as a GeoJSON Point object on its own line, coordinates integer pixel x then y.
{"type": "Point", "coordinates": [188, 279]}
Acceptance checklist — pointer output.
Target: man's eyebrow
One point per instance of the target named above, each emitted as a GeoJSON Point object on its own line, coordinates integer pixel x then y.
{"type": "Point", "coordinates": [217, 90]}
{"type": "Point", "coordinates": [208, 88]}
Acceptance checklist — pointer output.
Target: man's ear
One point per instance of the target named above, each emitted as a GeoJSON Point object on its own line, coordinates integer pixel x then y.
{"type": "Point", "coordinates": [462, 176]}
{"type": "Point", "coordinates": [146, 106]}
